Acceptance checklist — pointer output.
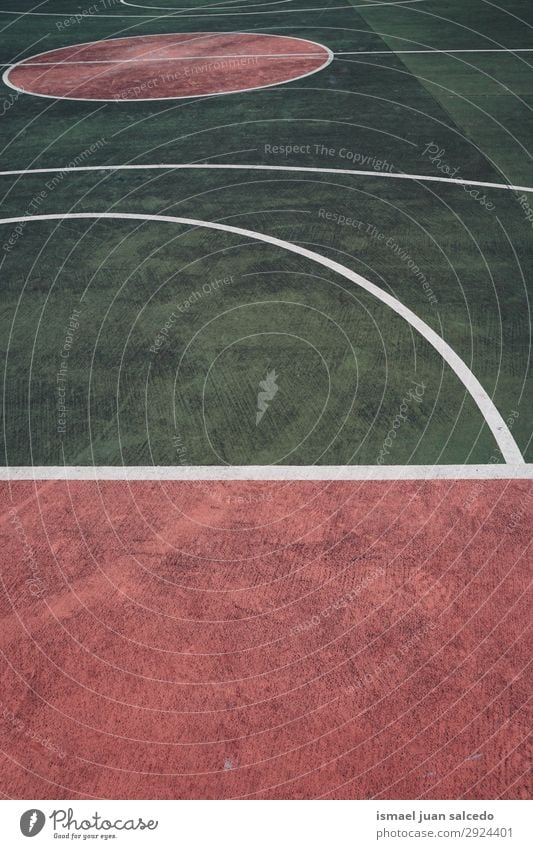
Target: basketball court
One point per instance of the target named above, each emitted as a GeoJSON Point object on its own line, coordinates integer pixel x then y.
{"type": "Point", "coordinates": [267, 466]}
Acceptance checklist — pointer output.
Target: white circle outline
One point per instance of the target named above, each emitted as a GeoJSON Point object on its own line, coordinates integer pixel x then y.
{"type": "Point", "coordinates": [5, 76]}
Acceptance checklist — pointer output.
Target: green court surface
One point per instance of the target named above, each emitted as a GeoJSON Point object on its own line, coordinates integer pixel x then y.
{"type": "Point", "coordinates": [148, 342]}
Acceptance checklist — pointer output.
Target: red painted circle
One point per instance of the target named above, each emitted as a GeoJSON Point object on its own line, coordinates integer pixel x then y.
{"type": "Point", "coordinates": [168, 66]}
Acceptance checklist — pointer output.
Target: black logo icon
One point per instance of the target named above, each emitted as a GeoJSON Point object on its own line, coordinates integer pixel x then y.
{"type": "Point", "coordinates": [32, 822]}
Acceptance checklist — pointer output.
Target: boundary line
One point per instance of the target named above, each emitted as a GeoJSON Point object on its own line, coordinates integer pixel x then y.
{"type": "Point", "coordinates": [267, 473]}
{"type": "Point", "coordinates": [428, 178]}
{"type": "Point", "coordinates": [435, 50]}
{"type": "Point", "coordinates": [500, 431]}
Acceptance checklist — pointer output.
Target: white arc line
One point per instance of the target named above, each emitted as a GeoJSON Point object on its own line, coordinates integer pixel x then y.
{"type": "Point", "coordinates": [423, 178]}
{"type": "Point", "coordinates": [267, 473]}
{"type": "Point", "coordinates": [502, 435]}
{"type": "Point", "coordinates": [236, 6]}
{"type": "Point", "coordinates": [176, 13]}
{"type": "Point", "coordinates": [325, 51]}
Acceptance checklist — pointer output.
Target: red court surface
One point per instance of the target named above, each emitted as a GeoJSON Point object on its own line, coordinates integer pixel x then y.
{"type": "Point", "coordinates": [359, 640]}
{"type": "Point", "coordinates": [168, 66]}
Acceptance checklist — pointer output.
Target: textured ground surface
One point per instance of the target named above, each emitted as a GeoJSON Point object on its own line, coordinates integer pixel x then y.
{"type": "Point", "coordinates": [270, 640]}
{"type": "Point", "coordinates": [292, 640]}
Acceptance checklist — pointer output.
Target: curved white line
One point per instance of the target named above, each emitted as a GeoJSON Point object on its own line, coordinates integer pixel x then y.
{"type": "Point", "coordinates": [204, 15]}
{"type": "Point", "coordinates": [502, 435]}
{"type": "Point", "coordinates": [237, 4]}
{"type": "Point", "coordinates": [208, 14]}
{"type": "Point", "coordinates": [422, 178]}
{"type": "Point", "coordinates": [5, 76]}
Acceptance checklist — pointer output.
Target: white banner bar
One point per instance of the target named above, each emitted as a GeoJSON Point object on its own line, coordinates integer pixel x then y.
{"type": "Point", "coordinates": [268, 824]}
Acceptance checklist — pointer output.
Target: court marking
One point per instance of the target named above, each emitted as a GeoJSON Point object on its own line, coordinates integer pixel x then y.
{"type": "Point", "coordinates": [23, 63]}
{"type": "Point", "coordinates": [494, 471]}
{"type": "Point", "coordinates": [500, 431]}
{"type": "Point", "coordinates": [252, 55]}
{"type": "Point", "coordinates": [140, 60]}
{"type": "Point", "coordinates": [232, 13]}
{"type": "Point", "coordinates": [428, 178]}
{"type": "Point", "coordinates": [126, 17]}
{"type": "Point", "coordinates": [221, 4]}
{"type": "Point", "coordinates": [441, 50]}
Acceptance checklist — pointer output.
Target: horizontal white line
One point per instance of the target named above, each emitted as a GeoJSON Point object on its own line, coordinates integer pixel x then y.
{"type": "Point", "coordinates": [267, 473]}
{"type": "Point", "coordinates": [142, 59]}
{"type": "Point", "coordinates": [424, 178]}
{"type": "Point", "coordinates": [435, 50]}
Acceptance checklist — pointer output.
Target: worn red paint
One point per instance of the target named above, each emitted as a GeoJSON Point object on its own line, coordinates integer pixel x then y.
{"type": "Point", "coordinates": [167, 66]}
{"type": "Point", "coordinates": [280, 640]}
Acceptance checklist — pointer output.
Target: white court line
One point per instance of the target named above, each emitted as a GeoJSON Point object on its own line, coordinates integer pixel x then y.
{"type": "Point", "coordinates": [423, 178]}
{"type": "Point", "coordinates": [325, 52]}
{"type": "Point", "coordinates": [451, 50]}
{"type": "Point", "coordinates": [140, 60]}
{"type": "Point", "coordinates": [267, 473]}
{"type": "Point", "coordinates": [270, 11]}
{"type": "Point", "coordinates": [501, 433]}
{"type": "Point", "coordinates": [67, 15]}
{"type": "Point", "coordinates": [222, 4]}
